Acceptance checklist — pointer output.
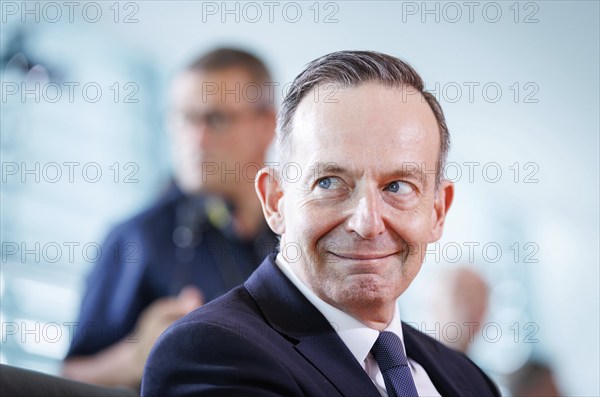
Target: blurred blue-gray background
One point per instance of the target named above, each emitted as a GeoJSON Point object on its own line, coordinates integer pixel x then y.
{"type": "Point", "coordinates": [84, 92]}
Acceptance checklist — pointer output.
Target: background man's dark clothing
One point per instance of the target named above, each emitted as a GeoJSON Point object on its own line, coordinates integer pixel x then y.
{"type": "Point", "coordinates": [179, 241]}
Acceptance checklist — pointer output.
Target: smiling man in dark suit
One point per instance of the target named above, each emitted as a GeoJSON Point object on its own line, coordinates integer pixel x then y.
{"type": "Point", "coordinates": [355, 203]}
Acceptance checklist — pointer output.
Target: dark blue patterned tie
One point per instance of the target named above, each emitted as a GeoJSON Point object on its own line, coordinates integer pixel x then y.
{"type": "Point", "coordinates": [389, 353]}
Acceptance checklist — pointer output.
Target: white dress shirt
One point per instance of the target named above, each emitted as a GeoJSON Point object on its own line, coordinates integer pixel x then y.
{"type": "Point", "coordinates": [359, 338]}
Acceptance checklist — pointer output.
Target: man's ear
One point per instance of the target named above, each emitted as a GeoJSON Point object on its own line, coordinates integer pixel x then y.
{"type": "Point", "coordinates": [441, 205]}
{"type": "Point", "coordinates": [270, 194]}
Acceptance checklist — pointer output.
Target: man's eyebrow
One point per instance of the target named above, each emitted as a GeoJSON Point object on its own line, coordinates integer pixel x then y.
{"type": "Point", "coordinates": [320, 168]}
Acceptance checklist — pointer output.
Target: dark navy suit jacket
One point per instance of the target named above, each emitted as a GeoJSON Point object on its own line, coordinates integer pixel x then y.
{"type": "Point", "coordinates": [265, 338]}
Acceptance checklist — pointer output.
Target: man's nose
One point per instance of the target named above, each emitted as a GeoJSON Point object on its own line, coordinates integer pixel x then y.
{"type": "Point", "coordinates": [366, 218]}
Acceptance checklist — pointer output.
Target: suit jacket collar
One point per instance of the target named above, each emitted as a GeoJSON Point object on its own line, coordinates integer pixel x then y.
{"type": "Point", "coordinates": [292, 315]}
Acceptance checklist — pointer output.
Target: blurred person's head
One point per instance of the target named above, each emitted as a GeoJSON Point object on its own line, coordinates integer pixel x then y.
{"type": "Point", "coordinates": [222, 122]}
{"type": "Point", "coordinates": [461, 299]}
{"type": "Point", "coordinates": [534, 379]}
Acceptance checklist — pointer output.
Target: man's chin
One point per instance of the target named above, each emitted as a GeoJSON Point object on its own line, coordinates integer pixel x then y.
{"type": "Point", "coordinates": [365, 289]}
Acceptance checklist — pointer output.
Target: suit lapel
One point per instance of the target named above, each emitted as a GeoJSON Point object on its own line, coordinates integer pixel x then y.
{"type": "Point", "coordinates": [292, 315]}
{"type": "Point", "coordinates": [327, 352]}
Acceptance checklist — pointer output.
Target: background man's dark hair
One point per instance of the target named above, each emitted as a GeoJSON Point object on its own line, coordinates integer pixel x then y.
{"type": "Point", "coordinates": [225, 58]}
{"type": "Point", "coordinates": [352, 69]}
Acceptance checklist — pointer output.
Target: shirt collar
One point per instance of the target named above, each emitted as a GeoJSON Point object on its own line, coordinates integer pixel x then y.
{"type": "Point", "coordinates": [356, 336]}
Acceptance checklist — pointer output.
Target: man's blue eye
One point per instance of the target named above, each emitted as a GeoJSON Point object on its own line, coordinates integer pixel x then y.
{"type": "Point", "coordinates": [325, 183]}
{"type": "Point", "coordinates": [397, 186]}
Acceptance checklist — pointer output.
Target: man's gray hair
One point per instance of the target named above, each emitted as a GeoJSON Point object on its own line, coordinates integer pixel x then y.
{"type": "Point", "coordinates": [352, 69]}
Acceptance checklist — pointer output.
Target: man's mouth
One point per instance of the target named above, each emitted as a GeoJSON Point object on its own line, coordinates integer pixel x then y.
{"type": "Point", "coordinates": [361, 256]}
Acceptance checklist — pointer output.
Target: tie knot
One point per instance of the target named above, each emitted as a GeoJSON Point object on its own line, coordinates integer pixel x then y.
{"type": "Point", "coordinates": [388, 351]}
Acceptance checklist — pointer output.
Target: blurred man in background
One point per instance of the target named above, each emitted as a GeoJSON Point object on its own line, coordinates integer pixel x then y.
{"type": "Point", "coordinates": [461, 299]}
{"type": "Point", "coordinates": [202, 238]}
